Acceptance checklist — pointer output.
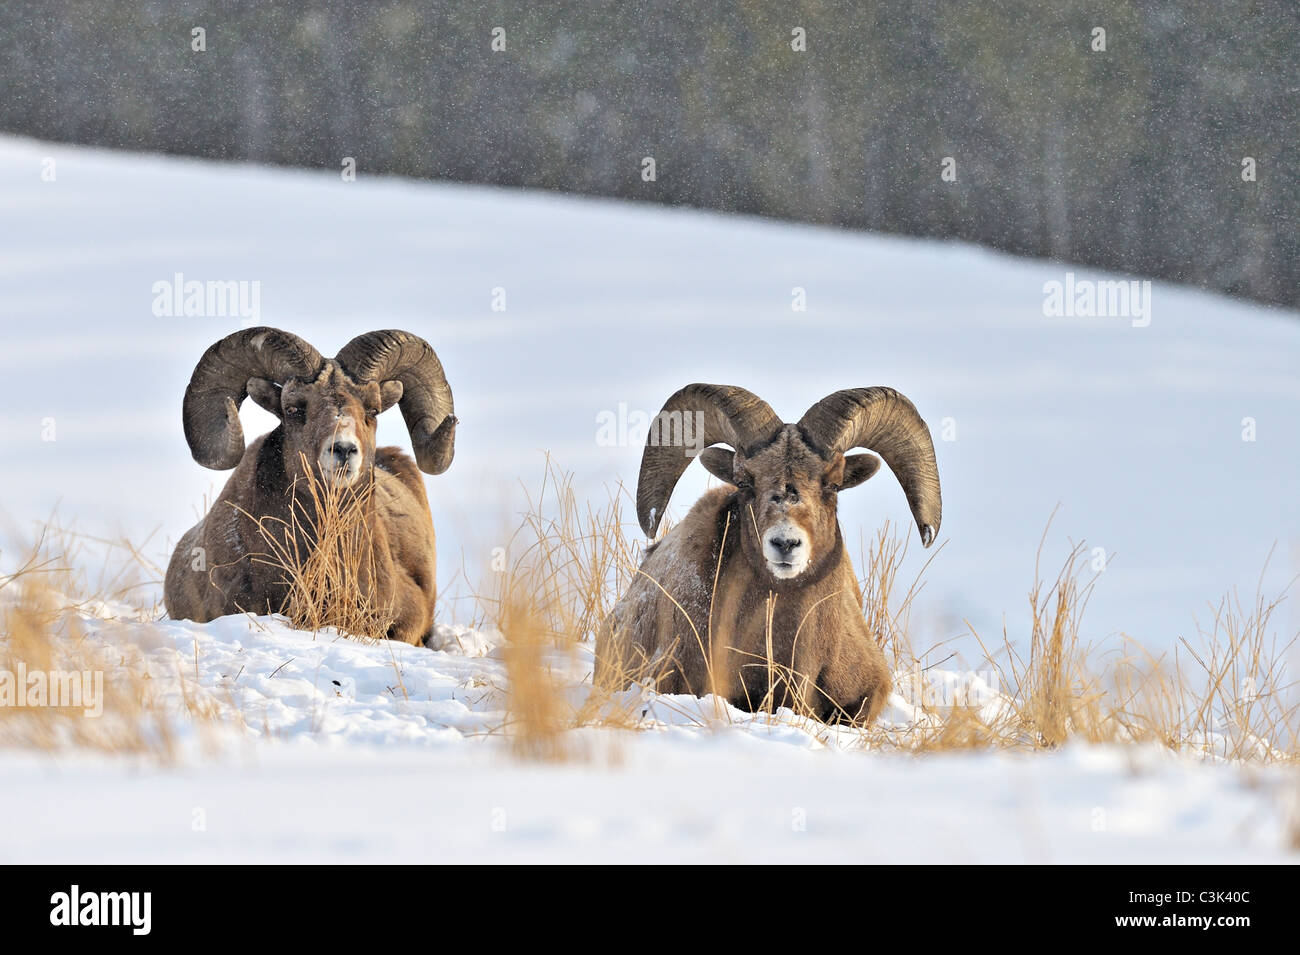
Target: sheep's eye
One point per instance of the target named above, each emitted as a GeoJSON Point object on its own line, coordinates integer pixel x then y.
{"type": "Point", "coordinates": [295, 411]}
{"type": "Point", "coordinates": [372, 412]}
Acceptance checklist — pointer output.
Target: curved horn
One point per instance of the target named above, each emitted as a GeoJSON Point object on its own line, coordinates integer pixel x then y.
{"type": "Point", "coordinates": [707, 415]}
{"type": "Point", "coordinates": [219, 385]}
{"type": "Point", "coordinates": [884, 421]}
{"type": "Point", "coordinates": [393, 355]}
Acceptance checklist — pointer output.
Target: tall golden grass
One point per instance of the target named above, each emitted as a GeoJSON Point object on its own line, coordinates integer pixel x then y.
{"type": "Point", "coordinates": [49, 606]}
{"type": "Point", "coordinates": [325, 556]}
{"type": "Point", "coordinates": [564, 566]}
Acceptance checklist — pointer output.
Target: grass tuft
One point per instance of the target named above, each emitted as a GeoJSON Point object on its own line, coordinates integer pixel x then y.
{"type": "Point", "coordinates": [326, 556]}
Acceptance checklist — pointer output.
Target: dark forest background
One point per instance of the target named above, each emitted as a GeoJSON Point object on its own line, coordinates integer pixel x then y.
{"type": "Point", "coordinates": [1129, 159]}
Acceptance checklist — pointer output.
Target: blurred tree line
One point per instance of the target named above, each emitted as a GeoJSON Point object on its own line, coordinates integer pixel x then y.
{"type": "Point", "coordinates": [1129, 158]}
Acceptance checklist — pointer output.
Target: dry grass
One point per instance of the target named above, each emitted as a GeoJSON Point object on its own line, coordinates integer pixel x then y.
{"type": "Point", "coordinates": [567, 561]}
{"type": "Point", "coordinates": [65, 686]}
{"type": "Point", "coordinates": [538, 713]}
{"type": "Point", "coordinates": [1239, 678]}
{"type": "Point", "coordinates": [325, 555]}
{"type": "Point", "coordinates": [559, 574]}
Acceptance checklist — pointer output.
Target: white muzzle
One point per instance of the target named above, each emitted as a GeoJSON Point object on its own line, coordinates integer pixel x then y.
{"type": "Point", "coordinates": [787, 550]}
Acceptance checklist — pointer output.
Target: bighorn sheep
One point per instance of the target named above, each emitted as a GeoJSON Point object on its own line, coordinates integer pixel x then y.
{"type": "Point", "coordinates": [753, 593]}
{"type": "Point", "coordinates": [327, 410]}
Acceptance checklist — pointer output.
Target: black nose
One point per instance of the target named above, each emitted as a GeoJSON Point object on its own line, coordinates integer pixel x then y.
{"type": "Point", "coordinates": [785, 545]}
{"type": "Point", "coordinates": [342, 450]}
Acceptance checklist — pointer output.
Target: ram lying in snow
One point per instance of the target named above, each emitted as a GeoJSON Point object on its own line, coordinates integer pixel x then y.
{"type": "Point", "coordinates": [326, 438]}
{"type": "Point", "coordinates": [752, 595]}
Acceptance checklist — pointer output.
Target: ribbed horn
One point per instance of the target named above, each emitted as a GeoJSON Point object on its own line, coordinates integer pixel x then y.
{"type": "Point", "coordinates": [219, 385]}
{"type": "Point", "coordinates": [883, 421]}
{"type": "Point", "coordinates": [393, 355]}
{"type": "Point", "coordinates": [718, 414]}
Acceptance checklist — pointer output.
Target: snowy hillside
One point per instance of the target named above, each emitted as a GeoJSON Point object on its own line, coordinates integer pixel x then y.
{"type": "Point", "coordinates": [1136, 432]}
{"type": "Point", "coordinates": [1171, 446]}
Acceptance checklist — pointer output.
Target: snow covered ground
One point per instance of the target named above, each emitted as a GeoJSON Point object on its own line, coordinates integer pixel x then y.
{"type": "Point", "coordinates": [1136, 432]}
{"type": "Point", "coordinates": [365, 753]}
{"type": "Point", "coordinates": [706, 798]}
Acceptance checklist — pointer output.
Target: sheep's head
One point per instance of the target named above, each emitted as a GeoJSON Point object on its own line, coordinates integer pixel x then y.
{"type": "Point", "coordinates": [328, 408]}
{"type": "Point", "coordinates": [788, 476]}
{"type": "Point", "coordinates": [329, 422]}
{"type": "Point", "coordinates": [788, 496]}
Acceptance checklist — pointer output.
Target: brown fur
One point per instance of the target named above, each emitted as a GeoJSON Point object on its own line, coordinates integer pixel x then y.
{"type": "Point", "coordinates": [696, 618]}
{"type": "Point", "coordinates": [215, 568]}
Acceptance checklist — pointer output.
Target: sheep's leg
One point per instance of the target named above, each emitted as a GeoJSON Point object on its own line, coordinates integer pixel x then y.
{"type": "Point", "coordinates": [855, 687]}
{"type": "Point", "coordinates": [859, 706]}
{"type": "Point", "coordinates": [414, 611]}
{"type": "Point", "coordinates": [187, 588]}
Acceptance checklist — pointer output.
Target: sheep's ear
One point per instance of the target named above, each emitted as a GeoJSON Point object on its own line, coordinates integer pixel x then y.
{"type": "Point", "coordinates": [266, 393]}
{"type": "Point", "coordinates": [857, 468]}
{"type": "Point", "coordinates": [720, 462]}
{"type": "Point", "coordinates": [390, 393]}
